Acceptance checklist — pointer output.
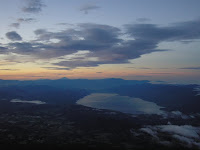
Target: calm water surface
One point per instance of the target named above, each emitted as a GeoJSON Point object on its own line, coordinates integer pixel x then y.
{"type": "Point", "coordinates": [123, 104]}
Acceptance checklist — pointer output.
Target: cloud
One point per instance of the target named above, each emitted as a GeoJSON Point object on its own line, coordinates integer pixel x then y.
{"type": "Point", "coordinates": [33, 6]}
{"type": "Point", "coordinates": [150, 132]}
{"type": "Point", "coordinates": [140, 67]}
{"type": "Point", "coordinates": [56, 68]}
{"type": "Point", "coordinates": [178, 31]}
{"type": "Point", "coordinates": [26, 20]}
{"type": "Point", "coordinates": [161, 73]}
{"type": "Point", "coordinates": [142, 76]}
{"type": "Point", "coordinates": [197, 90]}
{"type": "Point", "coordinates": [88, 7]}
{"type": "Point", "coordinates": [144, 68]}
{"type": "Point", "coordinates": [185, 130]}
{"type": "Point", "coordinates": [143, 19]}
{"type": "Point", "coordinates": [185, 140]}
{"type": "Point", "coordinates": [186, 135]}
{"type": "Point", "coordinates": [41, 32]}
{"type": "Point", "coordinates": [105, 44]}
{"type": "Point", "coordinates": [23, 48]}
{"type": "Point", "coordinates": [192, 68]}
{"type": "Point", "coordinates": [16, 25]}
{"type": "Point", "coordinates": [19, 21]}
{"type": "Point", "coordinates": [65, 24]}
{"type": "Point", "coordinates": [14, 36]}
{"type": "Point", "coordinates": [178, 114]}
{"type": "Point", "coordinates": [78, 63]}
{"type": "Point", "coordinates": [103, 41]}
{"type": "Point", "coordinates": [12, 58]}
{"type": "Point", "coordinates": [89, 36]}
{"type": "Point", "coordinates": [3, 50]}
{"type": "Point", "coordinates": [10, 69]}
{"type": "Point", "coordinates": [26, 101]}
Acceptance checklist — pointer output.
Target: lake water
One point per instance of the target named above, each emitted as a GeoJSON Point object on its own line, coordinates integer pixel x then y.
{"type": "Point", "coordinates": [123, 104]}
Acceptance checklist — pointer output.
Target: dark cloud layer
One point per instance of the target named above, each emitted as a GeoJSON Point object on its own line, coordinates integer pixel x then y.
{"type": "Point", "coordinates": [14, 36]}
{"type": "Point", "coordinates": [3, 50]}
{"type": "Point", "coordinates": [106, 44]}
{"type": "Point", "coordinates": [178, 31]}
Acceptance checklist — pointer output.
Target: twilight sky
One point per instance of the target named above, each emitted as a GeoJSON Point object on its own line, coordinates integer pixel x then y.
{"type": "Point", "coordinates": [154, 40]}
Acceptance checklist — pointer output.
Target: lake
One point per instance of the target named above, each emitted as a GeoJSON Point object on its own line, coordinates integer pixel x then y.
{"type": "Point", "coordinates": [125, 104]}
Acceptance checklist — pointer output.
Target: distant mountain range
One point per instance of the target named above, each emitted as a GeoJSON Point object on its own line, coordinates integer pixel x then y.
{"type": "Point", "coordinates": [95, 84]}
{"type": "Point", "coordinates": [68, 91]}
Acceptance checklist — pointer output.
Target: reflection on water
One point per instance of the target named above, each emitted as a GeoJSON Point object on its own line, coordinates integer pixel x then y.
{"type": "Point", "coordinates": [120, 103]}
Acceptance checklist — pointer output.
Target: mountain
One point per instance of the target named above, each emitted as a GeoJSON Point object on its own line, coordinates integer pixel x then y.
{"type": "Point", "coordinates": [64, 90]}
{"type": "Point", "coordinates": [95, 84]}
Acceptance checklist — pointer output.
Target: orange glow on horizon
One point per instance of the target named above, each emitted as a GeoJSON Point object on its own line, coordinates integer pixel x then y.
{"type": "Point", "coordinates": [89, 73]}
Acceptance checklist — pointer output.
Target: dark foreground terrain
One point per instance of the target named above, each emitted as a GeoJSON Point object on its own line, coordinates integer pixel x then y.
{"type": "Point", "coordinates": [44, 113]}
{"type": "Point", "coordinates": [77, 126]}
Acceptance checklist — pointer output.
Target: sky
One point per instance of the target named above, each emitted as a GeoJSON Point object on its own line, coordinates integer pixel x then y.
{"type": "Point", "coordinates": [155, 40]}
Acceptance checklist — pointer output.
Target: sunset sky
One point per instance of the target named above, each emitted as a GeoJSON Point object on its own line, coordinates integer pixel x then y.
{"type": "Point", "coordinates": [157, 40]}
